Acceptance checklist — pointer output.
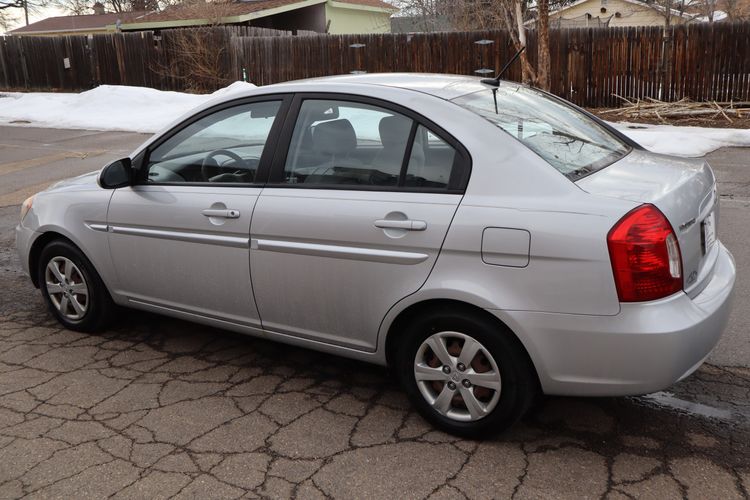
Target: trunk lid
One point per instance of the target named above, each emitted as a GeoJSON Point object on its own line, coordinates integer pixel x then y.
{"type": "Point", "coordinates": [685, 192]}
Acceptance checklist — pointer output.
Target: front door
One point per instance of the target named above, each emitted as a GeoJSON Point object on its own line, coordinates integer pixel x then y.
{"type": "Point", "coordinates": [353, 219]}
{"type": "Point", "coordinates": [179, 239]}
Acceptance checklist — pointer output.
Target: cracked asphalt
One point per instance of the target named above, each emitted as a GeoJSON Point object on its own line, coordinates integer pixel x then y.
{"type": "Point", "coordinates": [161, 408]}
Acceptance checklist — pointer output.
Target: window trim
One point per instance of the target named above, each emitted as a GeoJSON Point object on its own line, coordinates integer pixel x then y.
{"type": "Point", "coordinates": [460, 171]}
{"type": "Point", "coordinates": [264, 164]}
{"type": "Point", "coordinates": [407, 154]}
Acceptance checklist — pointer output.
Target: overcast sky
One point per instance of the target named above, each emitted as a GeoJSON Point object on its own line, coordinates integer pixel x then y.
{"type": "Point", "coordinates": [43, 13]}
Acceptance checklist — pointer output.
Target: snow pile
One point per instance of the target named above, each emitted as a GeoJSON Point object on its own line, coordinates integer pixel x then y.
{"type": "Point", "coordinates": [683, 141]}
{"type": "Point", "coordinates": [107, 107]}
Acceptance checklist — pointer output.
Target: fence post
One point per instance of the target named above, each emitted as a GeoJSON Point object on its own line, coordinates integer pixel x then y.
{"type": "Point", "coordinates": [666, 64]}
{"type": "Point", "coordinates": [24, 67]}
{"type": "Point", "coordinates": [93, 61]}
{"type": "Point", "coordinates": [3, 48]}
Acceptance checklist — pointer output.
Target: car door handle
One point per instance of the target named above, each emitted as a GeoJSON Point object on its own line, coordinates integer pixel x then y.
{"type": "Point", "coordinates": [409, 225]}
{"type": "Point", "coordinates": [225, 213]}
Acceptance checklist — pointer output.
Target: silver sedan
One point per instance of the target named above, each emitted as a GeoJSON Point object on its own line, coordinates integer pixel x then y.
{"type": "Point", "coordinates": [487, 242]}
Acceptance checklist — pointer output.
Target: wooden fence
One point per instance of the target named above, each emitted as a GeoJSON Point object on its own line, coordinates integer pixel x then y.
{"type": "Point", "coordinates": [148, 59]}
{"type": "Point", "coordinates": [590, 66]}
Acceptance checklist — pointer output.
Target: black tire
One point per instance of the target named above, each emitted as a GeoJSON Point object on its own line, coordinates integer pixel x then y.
{"type": "Point", "coordinates": [519, 381]}
{"type": "Point", "coordinates": [99, 305]}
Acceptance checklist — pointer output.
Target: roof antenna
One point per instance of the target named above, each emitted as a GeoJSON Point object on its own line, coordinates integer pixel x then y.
{"type": "Point", "coordinates": [495, 82]}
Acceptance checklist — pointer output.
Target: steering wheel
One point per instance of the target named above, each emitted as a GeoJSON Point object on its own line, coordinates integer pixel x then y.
{"type": "Point", "coordinates": [210, 167]}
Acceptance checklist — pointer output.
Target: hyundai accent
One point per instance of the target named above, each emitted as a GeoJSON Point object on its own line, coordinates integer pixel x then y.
{"type": "Point", "coordinates": [487, 243]}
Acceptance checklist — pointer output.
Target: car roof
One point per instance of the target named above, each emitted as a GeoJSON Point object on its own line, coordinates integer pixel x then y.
{"type": "Point", "coordinates": [440, 85]}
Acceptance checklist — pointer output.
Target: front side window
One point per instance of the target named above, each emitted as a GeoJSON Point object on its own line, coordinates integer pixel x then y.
{"type": "Point", "coordinates": [567, 139]}
{"type": "Point", "coordinates": [347, 143]}
{"type": "Point", "coordinates": [223, 147]}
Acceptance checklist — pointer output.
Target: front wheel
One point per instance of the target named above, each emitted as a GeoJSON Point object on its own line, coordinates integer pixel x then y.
{"type": "Point", "coordinates": [72, 289]}
{"type": "Point", "coordinates": [465, 373]}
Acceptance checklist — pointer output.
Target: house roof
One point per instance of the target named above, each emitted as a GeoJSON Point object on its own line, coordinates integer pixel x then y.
{"type": "Point", "coordinates": [254, 9]}
{"type": "Point", "coordinates": [238, 11]}
{"type": "Point", "coordinates": [639, 3]}
{"type": "Point", "coordinates": [77, 23]}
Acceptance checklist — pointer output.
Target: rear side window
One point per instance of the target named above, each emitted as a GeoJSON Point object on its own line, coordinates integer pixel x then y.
{"type": "Point", "coordinates": [346, 143]}
{"type": "Point", "coordinates": [359, 145]}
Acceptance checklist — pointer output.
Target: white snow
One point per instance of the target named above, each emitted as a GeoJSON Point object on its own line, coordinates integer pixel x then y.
{"type": "Point", "coordinates": [719, 15]}
{"type": "Point", "coordinates": [140, 109]}
{"type": "Point", "coordinates": [107, 107]}
{"type": "Point", "coordinates": [683, 141]}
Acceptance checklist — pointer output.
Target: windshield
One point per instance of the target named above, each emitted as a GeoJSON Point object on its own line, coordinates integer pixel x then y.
{"type": "Point", "coordinates": [567, 139]}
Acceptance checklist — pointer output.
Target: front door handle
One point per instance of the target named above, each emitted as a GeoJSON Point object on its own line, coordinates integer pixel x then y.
{"type": "Point", "coordinates": [223, 213]}
{"type": "Point", "coordinates": [409, 225]}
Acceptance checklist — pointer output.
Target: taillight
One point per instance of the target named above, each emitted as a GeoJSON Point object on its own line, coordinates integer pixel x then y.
{"type": "Point", "coordinates": [645, 256]}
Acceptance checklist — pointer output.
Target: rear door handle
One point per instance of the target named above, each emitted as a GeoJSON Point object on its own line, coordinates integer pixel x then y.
{"type": "Point", "coordinates": [225, 213]}
{"type": "Point", "coordinates": [409, 225]}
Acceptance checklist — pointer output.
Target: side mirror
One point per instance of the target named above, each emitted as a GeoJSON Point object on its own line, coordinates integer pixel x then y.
{"type": "Point", "coordinates": [116, 175]}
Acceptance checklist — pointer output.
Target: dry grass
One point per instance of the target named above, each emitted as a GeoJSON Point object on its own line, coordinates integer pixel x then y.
{"type": "Point", "coordinates": [682, 112]}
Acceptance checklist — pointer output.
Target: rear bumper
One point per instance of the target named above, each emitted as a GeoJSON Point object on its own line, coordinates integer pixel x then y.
{"type": "Point", "coordinates": [645, 348]}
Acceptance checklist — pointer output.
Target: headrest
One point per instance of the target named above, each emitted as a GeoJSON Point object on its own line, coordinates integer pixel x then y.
{"type": "Point", "coordinates": [394, 131]}
{"type": "Point", "coordinates": [336, 137]}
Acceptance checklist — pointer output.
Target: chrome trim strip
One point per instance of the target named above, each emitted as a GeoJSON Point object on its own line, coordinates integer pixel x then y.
{"type": "Point", "coordinates": [212, 239]}
{"type": "Point", "coordinates": [339, 252]}
{"type": "Point", "coordinates": [97, 227]}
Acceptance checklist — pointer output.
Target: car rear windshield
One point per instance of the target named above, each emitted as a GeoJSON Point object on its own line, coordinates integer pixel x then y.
{"type": "Point", "coordinates": [567, 139]}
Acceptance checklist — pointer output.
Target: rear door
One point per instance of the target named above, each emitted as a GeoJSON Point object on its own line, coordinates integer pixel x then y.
{"type": "Point", "coordinates": [179, 239]}
{"type": "Point", "coordinates": [353, 217]}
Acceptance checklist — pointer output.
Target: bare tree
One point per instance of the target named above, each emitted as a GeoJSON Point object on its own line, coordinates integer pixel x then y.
{"type": "Point", "coordinates": [543, 55]}
{"type": "Point", "coordinates": [11, 4]}
{"type": "Point", "coordinates": [510, 15]}
{"type": "Point", "coordinates": [5, 20]}
{"type": "Point", "coordinates": [28, 6]}
{"type": "Point", "coordinates": [666, 53]}
{"type": "Point", "coordinates": [736, 9]}
{"type": "Point", "coordinates": [75, 7]}
{"type": "Point", "coordinates": [196, 54]}
{"type": "Point", "coordinates": [514, 22]}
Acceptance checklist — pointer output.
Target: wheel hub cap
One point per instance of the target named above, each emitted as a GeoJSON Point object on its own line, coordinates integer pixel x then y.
{"type": "Point", "coordinates": [457, 376]}
{"type": "Point", "coordinates": [67, 288]}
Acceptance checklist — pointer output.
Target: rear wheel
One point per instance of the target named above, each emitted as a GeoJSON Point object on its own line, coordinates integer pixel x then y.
{"type": "Point", "coordinates": [465, 373]}
{"type": "Point", "coordinates": [72, 289]}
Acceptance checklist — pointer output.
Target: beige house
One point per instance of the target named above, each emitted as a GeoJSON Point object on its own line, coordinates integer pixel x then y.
{"type": "Point", "coordinates": [594, 13]}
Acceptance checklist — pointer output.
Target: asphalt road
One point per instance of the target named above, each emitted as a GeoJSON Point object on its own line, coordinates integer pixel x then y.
{"type": "Point", "coordinates": [157, 407]}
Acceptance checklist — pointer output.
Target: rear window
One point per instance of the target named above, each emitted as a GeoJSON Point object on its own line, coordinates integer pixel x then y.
{"type": "Point", "coordinates": [567, 139]}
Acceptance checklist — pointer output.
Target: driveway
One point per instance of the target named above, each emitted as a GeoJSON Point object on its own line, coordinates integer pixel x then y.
{"type": "Point", "coordinates": [157, 407]}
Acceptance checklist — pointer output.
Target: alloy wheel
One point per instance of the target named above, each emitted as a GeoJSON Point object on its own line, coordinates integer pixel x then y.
{"type": "Point", "coordinates": [457, 376]}
{"type": "Point", "coordinates": [67, 288]}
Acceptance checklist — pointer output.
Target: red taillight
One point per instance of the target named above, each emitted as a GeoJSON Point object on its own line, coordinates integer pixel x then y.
{"type": "Point", "coordinates": [645, 256]}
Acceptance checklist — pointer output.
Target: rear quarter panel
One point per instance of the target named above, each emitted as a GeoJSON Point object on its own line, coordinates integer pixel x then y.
{"type": "Point", "coordinates": [568, 270]}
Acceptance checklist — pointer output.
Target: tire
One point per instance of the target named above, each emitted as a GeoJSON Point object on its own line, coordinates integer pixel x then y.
{"type": "Point", "coordinates": [498, 352]}
{"type": "Point", "coordinates": [72, 289]}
